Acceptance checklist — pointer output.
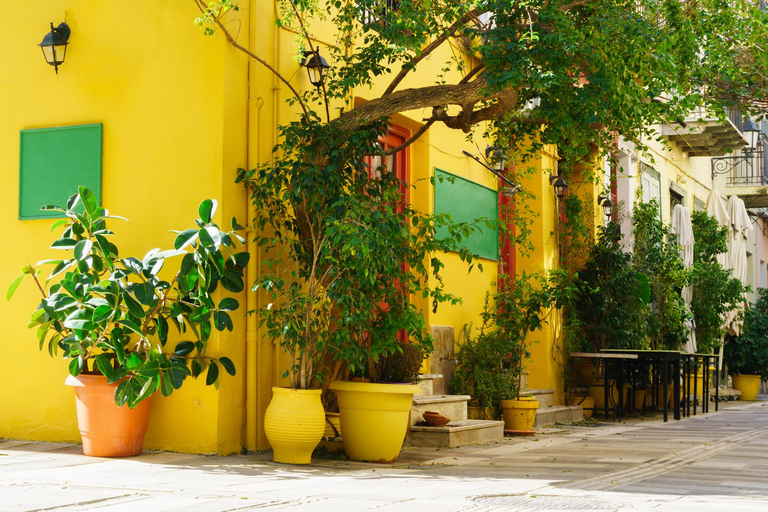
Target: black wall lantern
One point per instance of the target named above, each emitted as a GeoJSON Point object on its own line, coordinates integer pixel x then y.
{"type": "Point", "coordinates": [54, 45]}
{"type": "Point", "coordinates": [316, 66]}
{"type": "Point", "coordinates": [561, 187]}
{"type": "Point", "coordinates": [607, 205]}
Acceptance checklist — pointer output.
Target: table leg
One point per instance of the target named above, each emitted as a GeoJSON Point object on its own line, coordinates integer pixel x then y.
{"type": "Point", "coordinates": [664, 386]}
{"type": "Point", "coordinates": [676, 388]}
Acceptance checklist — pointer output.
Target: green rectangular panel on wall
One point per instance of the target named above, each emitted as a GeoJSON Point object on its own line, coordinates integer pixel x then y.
{"type": "Point", "coordinates": [53, 162]}
{"type": "Point", "coordinates": [466, 201]}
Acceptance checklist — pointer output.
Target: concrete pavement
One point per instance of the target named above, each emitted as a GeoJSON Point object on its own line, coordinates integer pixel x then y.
{"type": "Point", "coordinates": [712, 462]}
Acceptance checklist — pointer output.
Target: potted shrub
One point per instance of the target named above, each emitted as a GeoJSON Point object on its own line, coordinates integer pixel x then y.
{"type": "Point", "coordinates": [110, 316]}
{"type": "Point", "coordinates": [490, 364]}
{"type": "Point", "coordinates": [747, 355]}
{"type": "Point", "coordinates": [344, 252]}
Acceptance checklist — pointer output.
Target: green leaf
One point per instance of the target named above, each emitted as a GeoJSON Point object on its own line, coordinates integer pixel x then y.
{"type": "Point", "coordinates": [133, 306]}
{"type": "Point", "coordinates": [83, 249]}
{"type": "Point", "coordinates": [90, 202]}
{"type": "Point", "coordinates": [64, 243]}
{"type": "Point", "coordinates": [236, 226]}
{"type": "Point", "coordinates": [146, 390]}
{"type": "Point", "coordinates": [185, 238]}
{"type": "Point", "coordinates": [80, 319]}
{"type": "Point", "coordinates": [200, 315]}
{"type": "Point", "coordinates": [213, 374]}
{"type": "Point", "coordinates": [210, 238]}
{"type": "Point", "coordinates": [150, 369]}
{"type": "Point", "coordinates": [228, 365]}
{"type": "Point", "coordinates": [76, 366]}
{"type": "Point", "coordinates": [123, 393]}
{"type": "Point", "coordinates": [162, 329]}
{"type": "Point", "coordinates": [104, 365]}
{"type": "Point", "coordinates": [133, 362]}
{"type": "Point", "coordinates": [206, 210]}
{"type": "Point", "coordinates": [102, 313]}
{"type": "Point", "coordinates": [145, 292]}
{"type": "Point", "coordinates": [13, 286]}
{"type": "Point", "coordinates": [228, 304]}
{"type": "Point", "coordinates": [131, 325]}
{"type": "Point", "coordinates": [223, 321]}
{"type": "Point", "coordinates": [184, 348]}
{"type": "Point", "coordinates": [58, 223]}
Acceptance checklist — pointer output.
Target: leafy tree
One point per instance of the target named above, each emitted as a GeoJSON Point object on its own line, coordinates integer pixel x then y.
{"type": "Point", "coordinates": [658, 257]}
{"type": "Point", "coordinates": [347, 251]}
{"type": "Point", "coordinates": [748, 353]}
{"type": "Point", "coordinates": [610, 308]}
{"type": "Point", "coordinates": [714, 290]}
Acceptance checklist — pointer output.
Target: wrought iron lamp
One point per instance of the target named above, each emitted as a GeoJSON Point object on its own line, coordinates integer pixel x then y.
{"type": "Point", "coordinates": [316, 66]}
{"type": "Point", "coordinates": [561, 187]}
{"type": "Point", "coordinates": [54, 45]}
{"type": "Point", "coordinates": [607, 204]}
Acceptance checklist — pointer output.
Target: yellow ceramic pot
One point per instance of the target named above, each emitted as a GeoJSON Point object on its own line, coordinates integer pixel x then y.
{"type": "Point", "coordinates": [374, 418]}
{"type": "Point", "coordinates": [519, 414]}
{"type": "Point", "coordinates": [294, 424]}
{"type": "Point", "coordinates": [749, 385]}
{"type": "Point", "coordinates": [587, 403]}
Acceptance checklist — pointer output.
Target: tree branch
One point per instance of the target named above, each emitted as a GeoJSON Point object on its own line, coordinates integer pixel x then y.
{"type": "Point", "coordinates": [410, 65]}
{"type": "Point", "coordinates": [413, 138]}
{"type": "Point", "coordinates": [203, 8]}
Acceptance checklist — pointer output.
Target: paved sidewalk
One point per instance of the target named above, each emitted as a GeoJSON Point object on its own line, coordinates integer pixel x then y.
{"type": "Point", "coordinates": [712, 462]}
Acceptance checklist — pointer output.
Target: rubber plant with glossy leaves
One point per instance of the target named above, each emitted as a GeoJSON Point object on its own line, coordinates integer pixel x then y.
{"type": "Point", "coordinates": [111, 315]}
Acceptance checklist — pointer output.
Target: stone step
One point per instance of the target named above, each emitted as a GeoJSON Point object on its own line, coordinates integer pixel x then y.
{"type": "Point", "coordinates": [427, 382]}
{"type": "Point", "coordinates": [558, 414]}
{"type": "Point", "coordinates": [456, 433]}
{"type": "Point", "coordinates": [450, 406]}
{"type": "Point", "coordinates": [545, 397]}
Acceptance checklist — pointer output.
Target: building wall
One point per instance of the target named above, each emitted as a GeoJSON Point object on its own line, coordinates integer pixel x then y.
{"type": "Point", "coordinates": [172, 104]}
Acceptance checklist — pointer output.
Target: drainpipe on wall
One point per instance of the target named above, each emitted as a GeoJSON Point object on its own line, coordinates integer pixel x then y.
{"type": "Point", "coordinates": [252, 356]}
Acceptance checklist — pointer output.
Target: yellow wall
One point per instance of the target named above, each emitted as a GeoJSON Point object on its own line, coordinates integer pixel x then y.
{"type": "Point", "coordinates": [172, 103]}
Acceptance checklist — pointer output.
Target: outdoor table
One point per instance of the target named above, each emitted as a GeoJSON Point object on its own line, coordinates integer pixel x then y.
{"type": "Point", "coordinates": [691, 363]}
{"type": "Point", "coordinates": [663, 358]}
{"type": "Point", "coordinates": [617, 362]}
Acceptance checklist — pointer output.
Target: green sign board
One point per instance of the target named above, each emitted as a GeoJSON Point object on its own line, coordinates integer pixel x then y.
{"type": "Point", "coordinates": [467, 201]}
{"type": "Point", "coordinates": [53, 162]}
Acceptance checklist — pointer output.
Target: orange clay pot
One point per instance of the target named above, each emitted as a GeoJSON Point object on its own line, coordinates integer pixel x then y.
{"type": "Point", "coordinates": [106, 429]}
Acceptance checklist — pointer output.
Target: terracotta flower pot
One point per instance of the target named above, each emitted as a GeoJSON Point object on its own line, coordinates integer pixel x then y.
{"type": "Point", "coordinates": [106, 429]}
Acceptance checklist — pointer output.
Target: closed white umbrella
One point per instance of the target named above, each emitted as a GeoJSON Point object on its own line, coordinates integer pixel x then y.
{"type": "Point", "coordinates": [717, 208]}
{"type": "Point", "coordinates": [740, 227]}
{"type": "Point", "coordinates": [682, 227]}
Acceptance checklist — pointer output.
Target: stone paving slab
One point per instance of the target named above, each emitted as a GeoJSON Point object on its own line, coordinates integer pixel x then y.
{"type": "Point", "coordinates": [714, 462]}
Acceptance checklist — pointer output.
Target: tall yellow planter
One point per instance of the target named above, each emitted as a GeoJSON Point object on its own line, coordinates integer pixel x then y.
{"type": "Point", "coordinates": [374, 418]}
{"type": "Point", "coordinates": [749, 385]}
{"type": "Point", "coordinates": [294, 424]}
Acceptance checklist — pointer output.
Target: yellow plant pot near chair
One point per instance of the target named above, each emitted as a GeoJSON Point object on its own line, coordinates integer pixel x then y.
{"type": "Point", "coordinates": [749, 385]}
{"type": "Point", "coordinates": [374, 418]}
{"type": "Point", "coordinates": [294, 424]}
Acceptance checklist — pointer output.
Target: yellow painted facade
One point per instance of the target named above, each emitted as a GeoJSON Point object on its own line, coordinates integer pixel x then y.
{"type": "Point", "coordinates": [181, 112]}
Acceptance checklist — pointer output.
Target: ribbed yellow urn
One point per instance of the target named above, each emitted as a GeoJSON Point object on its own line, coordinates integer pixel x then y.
{"type": "Point", "coordinates": [294, 424]}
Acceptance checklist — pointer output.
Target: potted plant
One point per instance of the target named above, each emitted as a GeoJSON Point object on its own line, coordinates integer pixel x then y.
{"type": "Point", "coordinates": [747, 355]}
{"type": "Point", "coordinates": [489, 365]}
{"type": "Point", "coordinates": [110, 316]}
{"type": "Point", "coordinates": [344, 252]}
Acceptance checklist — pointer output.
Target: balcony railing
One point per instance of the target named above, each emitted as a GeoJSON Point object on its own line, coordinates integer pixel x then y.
{"type": "Point", "coordinates": [746, 169]}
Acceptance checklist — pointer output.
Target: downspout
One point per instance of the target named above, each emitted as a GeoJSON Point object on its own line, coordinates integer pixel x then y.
{"type": "Point", "coordinates": [252, 395]}
{"type": "Point", "coordinates": [275, 124]}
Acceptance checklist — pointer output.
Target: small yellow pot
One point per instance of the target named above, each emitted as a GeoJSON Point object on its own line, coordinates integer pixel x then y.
{"type": "Point", "coordinates": [639, 399]}
{"type": "Point", "coordinates": [519, 414]}
{"type": "Point", "coordinates": [294, 424]}
{"type": "Point", "coordinates": [588, 403]}
{"type": "Point", "coordinates": [749, 385]}
{"type": "Point", "coordinates": [374, 418]}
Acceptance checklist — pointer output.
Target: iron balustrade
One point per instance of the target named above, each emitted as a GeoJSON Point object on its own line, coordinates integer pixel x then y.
{"type": "Point", "coordinates": [743, 170]}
